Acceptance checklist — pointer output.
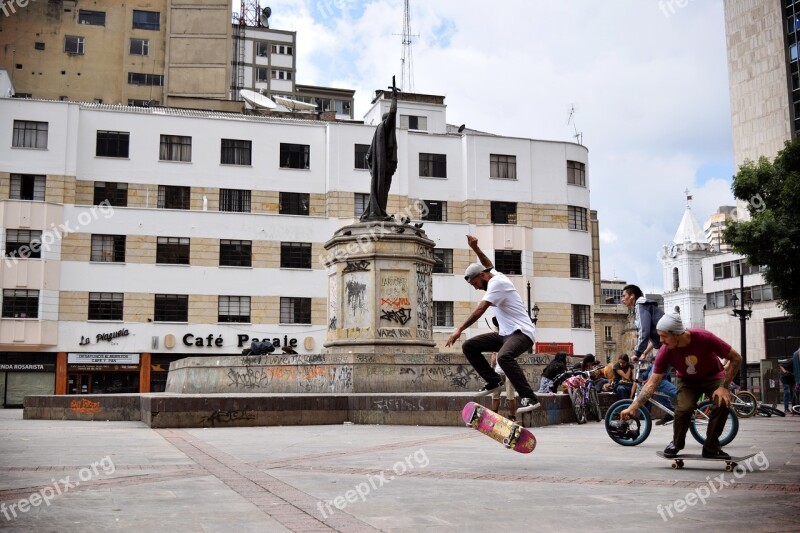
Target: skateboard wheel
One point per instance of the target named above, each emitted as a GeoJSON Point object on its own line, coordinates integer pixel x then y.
{"type": "Point", "coordinates": [679, 463]}
{"type": "Point", "coordinates": [729, 467]}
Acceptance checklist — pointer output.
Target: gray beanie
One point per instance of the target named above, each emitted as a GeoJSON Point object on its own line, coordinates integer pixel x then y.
{"type": "Point", "coordinates": [671, 323]}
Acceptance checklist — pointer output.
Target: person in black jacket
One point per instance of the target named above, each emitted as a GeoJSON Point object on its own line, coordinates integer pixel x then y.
{"type": "Point", "coordinates": [557, 366]}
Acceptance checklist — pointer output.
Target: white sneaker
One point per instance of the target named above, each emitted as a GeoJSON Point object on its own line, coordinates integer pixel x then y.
{"type": "Point", "coordinates": [528, 404]}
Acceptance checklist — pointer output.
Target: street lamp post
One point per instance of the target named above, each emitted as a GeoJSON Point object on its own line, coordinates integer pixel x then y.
{"type": "Point", "coordinates": [744, 316]}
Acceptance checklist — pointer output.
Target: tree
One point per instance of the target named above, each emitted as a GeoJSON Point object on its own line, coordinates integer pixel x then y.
{"type": "Point", "coordinates": [772, 237]}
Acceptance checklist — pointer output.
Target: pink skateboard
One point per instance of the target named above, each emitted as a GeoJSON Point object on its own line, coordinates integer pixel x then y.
{"type": "Point", "coordinates": [501, 429]}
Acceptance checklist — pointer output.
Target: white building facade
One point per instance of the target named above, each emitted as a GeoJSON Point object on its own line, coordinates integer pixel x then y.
{"type": "Point", "coordinates": [133, 237]}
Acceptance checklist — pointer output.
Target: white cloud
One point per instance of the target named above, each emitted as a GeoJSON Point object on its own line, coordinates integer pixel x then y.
{"type": "Point", "coordinates": [651, 92]}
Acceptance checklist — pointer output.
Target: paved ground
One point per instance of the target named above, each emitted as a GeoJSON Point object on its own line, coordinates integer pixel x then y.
{"type": "Point", "coordinates": [389, 478]}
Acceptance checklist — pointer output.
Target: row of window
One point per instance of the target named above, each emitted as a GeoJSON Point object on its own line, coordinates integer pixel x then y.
{"type": "Point", "coordinates": [76, 44]}
{"type": "Point", "coordinates": [32, 134]}
{"type": "Point", "coordinates": [265, 74]}
{"type": "Point", "coordinates": [732, 269]}
{"type": "Point", "coordinates": [142, 20]}
{"type": "Point", "coordinates": [263, 49]}
{"type": "Point", "coordinates": [32, 187]}
{"type": "Point", "coordinates": [757, 293]}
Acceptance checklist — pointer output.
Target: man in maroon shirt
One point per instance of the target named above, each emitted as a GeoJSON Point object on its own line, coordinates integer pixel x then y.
{"type": "Point", "coordinates": [694, 354]}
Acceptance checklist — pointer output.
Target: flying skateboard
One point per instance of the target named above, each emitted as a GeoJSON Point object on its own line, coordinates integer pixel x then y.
{"type": "Point", "coordinates": [509, 434]}
{"type": "Point", "coordinates": [677, 461]}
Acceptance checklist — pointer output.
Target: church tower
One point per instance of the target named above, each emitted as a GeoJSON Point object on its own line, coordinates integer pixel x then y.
{"type": "Point", "coordinates": [683, 276]}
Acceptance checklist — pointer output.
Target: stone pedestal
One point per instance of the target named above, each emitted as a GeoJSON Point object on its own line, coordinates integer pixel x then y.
{"type": "Point", "coordinates": [379, 290]}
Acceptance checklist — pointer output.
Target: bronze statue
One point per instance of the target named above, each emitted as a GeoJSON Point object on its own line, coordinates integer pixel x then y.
{"type": "Point", "coordinates": [382, 161]}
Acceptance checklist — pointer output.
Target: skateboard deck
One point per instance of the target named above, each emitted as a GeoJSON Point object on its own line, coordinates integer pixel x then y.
{"type": "Point", "coordinates": [499, 428]}
{"type": "Point", "coordinates": [677, 461]}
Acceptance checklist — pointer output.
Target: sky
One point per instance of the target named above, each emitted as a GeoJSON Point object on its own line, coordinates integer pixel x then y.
{"type": "Point", "coordinates": [647, 79]}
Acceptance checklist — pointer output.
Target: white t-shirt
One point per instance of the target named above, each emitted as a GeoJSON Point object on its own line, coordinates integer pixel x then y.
{"type": "Point", "coordinates": [508, 307]}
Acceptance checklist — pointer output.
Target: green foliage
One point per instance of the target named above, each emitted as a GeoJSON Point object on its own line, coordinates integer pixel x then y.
{"type": "Point", "coordinates": [772, 237]}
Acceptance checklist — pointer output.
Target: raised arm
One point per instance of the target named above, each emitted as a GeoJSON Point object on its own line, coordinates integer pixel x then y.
{"type": "Point", "coordinates": [473, 243]}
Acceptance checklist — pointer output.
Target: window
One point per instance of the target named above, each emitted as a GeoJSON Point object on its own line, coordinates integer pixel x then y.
{"type": "Point", "coordinates": [233, 309]}
{"type": "Point", "coordinates": [576, 173]}
{"type": "Point", "coordinates": [262, 74]}
{"type": "Point", "coordinates": [612, 296]}
{"type": "Point", "coordinates": [138, 78]}
{"type": "Point", "coordinates": [361, 156]}
{"type": "Point", "coordinates": [579, 266]}
{"type": "Point", "coordinates": [172, 250]}
{"type": "Point", "coordinates": [607, 337]}
{"type": "Point", "coordinates": [115, 194]}
{"type": "Point", "coordinates": [27, 187]}
{"type": "Point", "coordinates": [443, 314]}
{"type": "Point", "coordinates": [74, 44]}
{"type": "Point", "coordinates": [281, 49]}
{"type": "Point", "coordinates": [508, 262]}
{"type": "Point", "coordinates": [360, 201]}
{"type": "Point", "coordinates": [676, 279]}
{"type": "Point", "coordinates": [503, 166]}
{"type": "Point", "coordinates": [295, 255]}
{"type": "Point", "coordinates": [281, 74]}
{"type": "Point", "coordinates": [105, 305]}
{"type": "Point", "coordinates": [262, 49]}
{"type": "Point", "coordinates": [444, 260]}
{"type": "Point", "coordinates": [293, 203]}
{"type": "Point", "coordinates": [93, 18]}
{"type": "Point", "coordinates": [173, 197]}
{"type": "Point", "coordinates": [175, 148]}
{"type": "Point", "coordinates": [577, 218]}
{"type": "Point", "coordinates": [235, 253]}
{"type": "Point", "coordinates": [503, 212]}
{"type": "Point", "coordinates": [171, 308]}
{"type": "Point", "coordinates": [38, 46]}
{"type": "Point", "coordinates": [235, 152]}
{"type": "Point", "coordinates": [29, 134]}
{"type": "Point", "coordinates": [295, 311]}
{"type": "Point", "coordinates": [580, 317]}
{"type": "Point", "coordinates": [295, 155]}
{"type": "Point", "coordinates": [108, 248]}
{"type": "Point", "coordinates": [234, 200]}
{"type": "Point", "coordinates": [134, 102]}
{"type": "Point", "coordinates": [24, 243]}
{"type": "Point", "coordinates": [413, 122]}
{"type": "Point", "coordinates": [139, 47]}
{"type": "Point", "coordinates": [146, 20]}
{"type": "Point", "coordinates": [112, 143]}
{"type": "Point", "coordinates": [20, 303]}
{"type": "Point", "coordinates": [437, 211]}
{"type": "Point", "coordinates": [433, 165]}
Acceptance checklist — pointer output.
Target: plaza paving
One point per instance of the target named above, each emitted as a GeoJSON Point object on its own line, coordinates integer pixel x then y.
{"type": "Point", "coordinates": [387, 478]}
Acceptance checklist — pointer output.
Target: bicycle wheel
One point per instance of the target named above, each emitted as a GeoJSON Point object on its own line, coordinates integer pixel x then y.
{"type": "Point", "coordinates": [699, 425]}
{"type": "Point", "coordinates": [629, 432]}
{"type": "Point", "coordinates": [744, 404]}
{"type": "Point", "coordinates": [796, 409]}
{"type": "Point", "coordinates": [594, 404]}
{"type": "Point", "coordinates": [578, 405]}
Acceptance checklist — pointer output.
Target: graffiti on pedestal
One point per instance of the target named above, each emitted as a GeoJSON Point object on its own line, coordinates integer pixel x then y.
{"type": "Point", "coordinates": [424, 302]}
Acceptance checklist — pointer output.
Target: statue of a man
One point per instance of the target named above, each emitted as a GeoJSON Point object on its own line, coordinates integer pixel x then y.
{"type": "Point", "coordinates": [382, 161]}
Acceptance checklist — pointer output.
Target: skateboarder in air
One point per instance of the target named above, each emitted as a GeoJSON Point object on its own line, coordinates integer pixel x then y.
{"type": "Point", "coordinates": [516, 333]}
{"type": "Point", "coordinates": [695, 355]}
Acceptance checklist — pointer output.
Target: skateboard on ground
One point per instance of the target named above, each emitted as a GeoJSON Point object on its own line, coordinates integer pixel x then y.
{"type": "Point", "coordinates": [677, 461]}
{"type": "Point", "coordinates": [501, 429]}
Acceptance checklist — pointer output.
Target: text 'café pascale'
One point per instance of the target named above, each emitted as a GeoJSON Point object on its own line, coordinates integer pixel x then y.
{"type": "Point", "coordinates": [210, 340]}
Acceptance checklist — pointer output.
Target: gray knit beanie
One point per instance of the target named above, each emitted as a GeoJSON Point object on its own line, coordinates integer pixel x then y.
{"type": "Point", "coordinates": [671, 323]}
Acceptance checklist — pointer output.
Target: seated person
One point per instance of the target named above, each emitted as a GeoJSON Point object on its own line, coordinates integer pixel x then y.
{"type": "Point", "coordinates": [623, 377]}
{"type": "Point", "coordinates": [557, 366]}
